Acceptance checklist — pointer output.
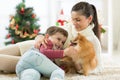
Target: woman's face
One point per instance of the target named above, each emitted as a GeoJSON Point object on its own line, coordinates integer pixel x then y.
{"type": "Point", "coordinates": [80, 21]}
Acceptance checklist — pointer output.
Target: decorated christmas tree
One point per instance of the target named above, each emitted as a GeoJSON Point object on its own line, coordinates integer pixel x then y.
{"type": "Point", "coordinates": [23, 25]}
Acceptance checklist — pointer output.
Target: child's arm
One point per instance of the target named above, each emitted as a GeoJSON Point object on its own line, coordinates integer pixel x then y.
{"type": "Point", "coordinates": [52, 54]}
{"type": "Point", "coordinates": [49, 52]}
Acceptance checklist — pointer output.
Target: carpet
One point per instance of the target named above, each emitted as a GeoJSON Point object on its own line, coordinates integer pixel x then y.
{"type": "Point", "coordinates": [111, 71]}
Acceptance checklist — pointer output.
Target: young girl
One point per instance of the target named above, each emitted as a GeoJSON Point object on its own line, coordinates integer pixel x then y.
{"type": "Point", "coordinates": [35, 62]}
{"type": "Point", "coordinates": [84, 21]}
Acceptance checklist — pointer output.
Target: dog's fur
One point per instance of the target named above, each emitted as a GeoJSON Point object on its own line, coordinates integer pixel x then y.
{"type": "Point", "coordinates": [85, 59]}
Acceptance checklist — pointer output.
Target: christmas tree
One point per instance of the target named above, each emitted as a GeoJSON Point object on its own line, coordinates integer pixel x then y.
{"type": "Point", "coordinates": [23, 26]}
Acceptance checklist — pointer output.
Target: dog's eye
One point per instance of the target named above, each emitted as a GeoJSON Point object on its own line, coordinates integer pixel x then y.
{"type": "Point", "coordinates": [73, 43]}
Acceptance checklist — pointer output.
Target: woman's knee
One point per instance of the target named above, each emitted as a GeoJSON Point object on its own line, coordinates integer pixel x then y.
{"type": "Point", "coordinates": [30, 74]}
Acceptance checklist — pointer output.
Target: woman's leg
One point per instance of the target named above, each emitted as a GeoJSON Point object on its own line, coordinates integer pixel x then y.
{"type": "Point", "coordinates": [9, 55]}
{"type": "Point", "coordinates": [10, 50]}
{"type": "Point", "coordinates": [8, 62]}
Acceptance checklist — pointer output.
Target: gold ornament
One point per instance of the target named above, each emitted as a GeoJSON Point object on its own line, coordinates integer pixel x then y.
{"type": "Point", "coordinates": [17, 32]}
{"type": "Point", "coordinates": [32, 36]}
{"type": "Point", "coordinates": [12, 21]}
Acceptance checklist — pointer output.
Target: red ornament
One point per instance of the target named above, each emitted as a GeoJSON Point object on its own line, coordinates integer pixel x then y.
{"type": "Point", "coordinates": [33, 15]}
{"type": "Point", "coordinates": [17, 26]}
{"type": "Point", "coordinates": [8, 36]}
{"type": "Point", "coordinates": [35, 31]}
{"type": "Point", "coordinates": [61, 22]}
{"type": "Point", "coordinates": [22, 10]}
{"type": "Point", "coordinates": [13, 41]}
{"type": "Point", "coordinates": [25, 33]}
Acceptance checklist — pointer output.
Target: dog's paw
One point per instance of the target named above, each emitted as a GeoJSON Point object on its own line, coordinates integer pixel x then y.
{"type": "Point", "coordinates": [80, 71]}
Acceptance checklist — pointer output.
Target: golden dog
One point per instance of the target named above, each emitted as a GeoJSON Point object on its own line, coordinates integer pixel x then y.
{"type": "Point", "coordinates": [85, 58]}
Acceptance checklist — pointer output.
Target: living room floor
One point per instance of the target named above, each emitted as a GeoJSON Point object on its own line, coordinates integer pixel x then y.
{"type": "Point", "coordinates": [114, 58]}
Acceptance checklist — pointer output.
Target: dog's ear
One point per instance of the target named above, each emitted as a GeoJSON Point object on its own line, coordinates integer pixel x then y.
{"type": "Point", "coordinates": [81, 37]}
{"type": "Point", "coordinates": [78, 34]}
{"type": "Point", "coordinates": [77, 38]}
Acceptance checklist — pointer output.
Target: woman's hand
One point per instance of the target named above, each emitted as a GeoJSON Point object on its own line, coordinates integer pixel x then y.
{"type": "Point", "coordinates": [70, 52]}
{"type": "Point", "coordinates": [40, 39]}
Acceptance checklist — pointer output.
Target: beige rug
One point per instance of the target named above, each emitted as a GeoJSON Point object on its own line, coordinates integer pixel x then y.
{"type": "Point", "coordinates": [111, 71]}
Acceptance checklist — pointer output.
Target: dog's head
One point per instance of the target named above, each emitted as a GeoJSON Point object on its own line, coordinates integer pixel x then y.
{"type": "Point", "coordinates": [80, 41]}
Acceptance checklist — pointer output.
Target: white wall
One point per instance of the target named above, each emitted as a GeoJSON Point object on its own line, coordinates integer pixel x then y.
{"type": "Point", "coordinates": [116, 22]}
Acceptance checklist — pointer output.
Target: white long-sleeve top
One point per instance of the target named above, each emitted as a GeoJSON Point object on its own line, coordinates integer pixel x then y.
{"type": "Point", "coordinates": [89, 34]}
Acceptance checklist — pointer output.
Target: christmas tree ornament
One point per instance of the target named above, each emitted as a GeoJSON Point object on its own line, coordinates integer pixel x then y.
{"type": "Point", "coordinates": [27, 23]}
{"type": "Point", "coordinates": [12, 41]}
{"type": "Point", "coordinates": [33, 15]}
{"type": "Point", "coordinates": [17, 32]}
{"type": "Point", "coordinates": [8, 36]}
{"type": "Point", "coordinates": [17, 26]}
{"type": "Point", "coordinates": [26, 34]}
{"type": "Point", "coordinates": [33, 35]}
{"type": "Point", "coordinates": [12, 22]}
{"type": "Point", "coordinates": [61, 19]}
{"type": "Point", "coordinates": [36, 31]}
{"type": "Point", "coordinates": [22, 10]}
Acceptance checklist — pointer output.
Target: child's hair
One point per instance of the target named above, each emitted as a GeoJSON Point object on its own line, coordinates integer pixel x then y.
{"type": "Point", "coordinates": [87, 9]}
{"type": "Point", "coordinates": [54, 29]}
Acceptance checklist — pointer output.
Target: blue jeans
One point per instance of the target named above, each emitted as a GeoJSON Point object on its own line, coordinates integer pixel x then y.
{"type": "Point", "coordinates": [35, 63]}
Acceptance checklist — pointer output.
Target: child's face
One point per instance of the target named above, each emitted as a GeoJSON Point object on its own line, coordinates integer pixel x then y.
{"type": "Point", "coordinates": [80, 21]}
{"type": "Point", "coordinates": [58, 40]}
